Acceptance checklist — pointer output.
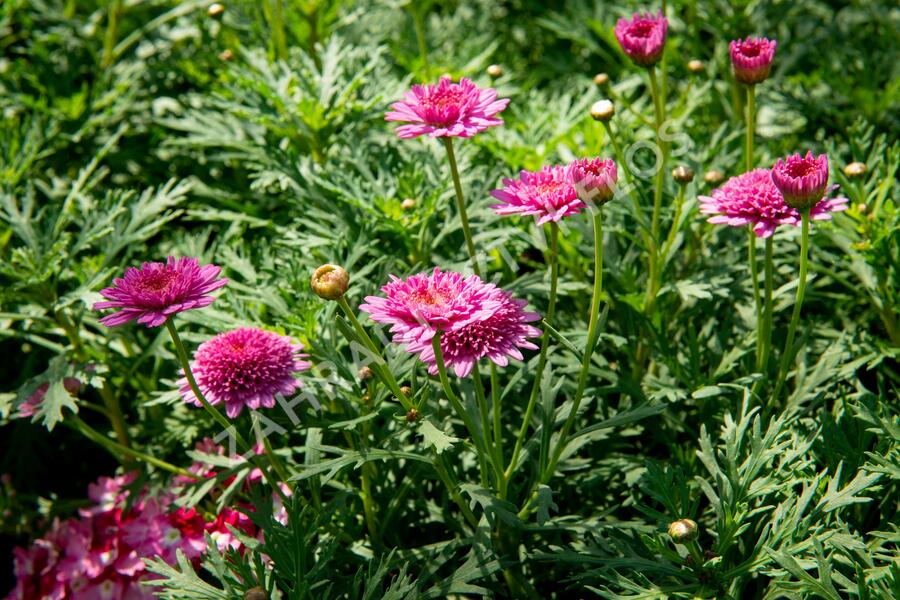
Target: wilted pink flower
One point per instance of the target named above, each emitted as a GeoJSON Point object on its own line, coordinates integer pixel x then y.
{"type": "Point", "coordinates": [447, 110]}
{"type": "Point", "coordinates": [801, 180]}
{"type": "Point", "coordinates": [753, 199]}
{"type": "Point", "coordinates": [245, 367]}
{"type": "Point", "coordinates": [476, 319]}
{"type": "Point", "coordinates": [594, 179]}
{"type": "Point", "coordinates": [30, 406]}
{"type": "Point", "coordinates": [156, 291]}
{"type": "Point", "coordinates": [547, 194]}
{"type": "Point", "coordinates": [643, 37]}
{"type": "Point", "coordinates": [752, 59]}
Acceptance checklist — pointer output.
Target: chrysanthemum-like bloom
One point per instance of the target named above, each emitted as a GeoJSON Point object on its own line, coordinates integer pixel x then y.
{"type": "Point", "coordinates": [446, 110]}
{"type": "Point", "coordinates": [594, 179]}
{"type": "Point", "coordinates": [753, 199]}
{"type": "Point", "coordinates": [547, 194]}
{"type": "Point", "coordinates": [155, 291]}
{"type": "Point", "coordinates": [245, 367]}
{"type": "Point", "coordinates": [802, 180]}
{"type": "Point", "coordinates": [476, 319]}
{"type": "Point", "coordinates": [643, 37]}
{"type": "Point", "coordinates": [752, 59]}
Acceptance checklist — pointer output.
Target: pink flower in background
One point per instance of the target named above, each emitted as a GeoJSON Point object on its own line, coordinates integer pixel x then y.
{"type": "Point", "coordinates": [594, 179]}
{"type": "Point", "coordinates": [476, 319]}
{"type": "Point", "coordinates": [753, 199]}
{"type": "Point", "coordinates": [155, 291]}
{"type": "Point", "coordinates": [802, 180]}
{"type": "Point", "coordinates": [643, 37]}
{"type": "Point", "coordinates": [446, 110]}
{"type": "Point", "coordinates": [752, 59]}
{"type": "Point", "coordinates": [245, 368]}
{"type": "Point", "coordinates": [30, 406]}
{"type": "Point", "coordinates": [547, 194]}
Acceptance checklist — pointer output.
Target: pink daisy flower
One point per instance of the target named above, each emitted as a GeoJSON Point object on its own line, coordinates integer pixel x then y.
{"type": "Point", "coordinates": [801, 179]}
{"type": "Point", "coordinates": [476, 319]}
{"type": "Point", "coordinates": [753, 199]}
{"type": "Point", "coordinates": [643, 37]}
{"type": "Point", "coordinates": [547, 194]}
{"type": "Point", "coordinates": [594, 179]}
{"type": "Point", "coordinates": [155, 291]}
{"type": "Point", "coordinates": [245, 367]}
{"type": "Point", "coordinates": [752, 59]}
{"type": "Point", "coordinates": [446, 110]}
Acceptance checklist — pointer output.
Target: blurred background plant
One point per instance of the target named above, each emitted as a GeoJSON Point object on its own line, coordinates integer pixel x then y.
{"type": "Point", "coordinates": [252, 135]}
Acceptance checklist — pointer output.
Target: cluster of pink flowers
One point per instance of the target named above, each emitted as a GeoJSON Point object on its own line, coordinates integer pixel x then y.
{"type": "Point", "coordinates": [555, 192]}
{"type": "Point", "coordinates": [476, 319]}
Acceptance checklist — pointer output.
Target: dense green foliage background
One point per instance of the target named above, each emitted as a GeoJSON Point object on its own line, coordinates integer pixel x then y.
{"type": "Point", "coordinates": [179, 133]}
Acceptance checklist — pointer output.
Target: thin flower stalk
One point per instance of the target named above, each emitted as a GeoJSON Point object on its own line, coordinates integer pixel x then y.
{"type": "Point", "coordinates": [461, 205]}
{"type": "Point", "coordinates": [750, 120]}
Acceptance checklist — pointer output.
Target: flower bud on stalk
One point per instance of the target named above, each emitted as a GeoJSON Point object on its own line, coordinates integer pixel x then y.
{"type": "Point", "coordinates": [408, 204]}
{"type": "Point", "coordinates": [256, 593]}
{"type": "Point", "coordinates": [215, 10]}
{"type": "Point", "coordinates": [801, 180]}
{"type": "Point", "coordinates": [683, 174]}
{"type": "Point", "coordinates": [365, 374]}
{"type": "Point", "coordinates": [603, 111]}
{"type": "Point", "coordinates": [495, 71]}
{"type": "Point", "coordinates": [601, 79]}
{"type": "Point", "coordinates": [330, 282]}
{"type": "Point", "coordinates": [412, 415]}
{"type": "Point", "coordinates": [713, 176]}
{"type": "Point", "coordinates": [683, 531]}
{"type": "Point", "coordinates": [696, 66]}
{"type": "Point", "coordinates": [752, 59]}
{"type": "Point", "coordinates": [855, 169]}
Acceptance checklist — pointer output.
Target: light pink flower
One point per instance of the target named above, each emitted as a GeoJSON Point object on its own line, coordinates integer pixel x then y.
{"type": "Point", "coordinates": [446, 110]}
{"type": "Point", "coordinates": [753, 199]}
{"type": "Point", "coordinates": [476, 319]}
{"type": "Point", "coordinates": [547, 194]}
{"type": "Point", "coordinates": [752, 59]}
{"type": "Point", "coordinates": [802, 180]}
{"type": "Point", "coordinates": [594, 179]}
{"type": "Point", "coordinates": [245, 367]}
{"type": "Point", "coordinates": [155, 291]}
{"type": "Point", "coordinates": [643, 37]}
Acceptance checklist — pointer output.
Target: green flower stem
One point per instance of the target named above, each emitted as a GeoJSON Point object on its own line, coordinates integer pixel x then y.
{"type": "Point", "coordinates": [489, 444]}
{"type": "Point", "coordinates": [369, 508]}
{"type": "Point", "coordinates": [118, 450]}
{"type": "Point", "coordinates": [274, 12]}
{"type": "Point", "coordinates": [419, 24]}
{"type": "Point", "coordinates": [589, 345]}
{"type": "Point", "coordinates": [461, 204]}
{"type": "Point", "coordinates": [113, 12]}
{"type": "Point", "coordinates": [279, 467]}
{"type": "Point", "coordinates": [660, 113]}
{"type": "Point", "coordinates": [452, 488]}
{"type": "Point", "coordinates": [498, 429]}
{"type": "Point", "coordinates": [673, 231]}
{"type": "Point", "coordinates": [542, 358]}
{"type": "Point", "coordinates": [788, 354]}
{"type": "Point", "coordinates": [694, 549]}
{"type": "Point", "coordinates": [480, 441]}
{"type": "Point", "coordinates": [750, 120]}
{"type": "Point", "coordinates": [763, 364]}
{"type": "Point", "coordinates": [381, 368]}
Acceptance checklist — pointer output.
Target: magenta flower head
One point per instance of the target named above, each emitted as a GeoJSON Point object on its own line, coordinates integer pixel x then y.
{"type": "Point", "coordinates": [245, 367]}
{"type": "Point", "coordinates": [753, 199]}
{"type": "Point", "coordinates": [476, 319]}
{"type": "Point", "coordinates": [446, 110]}
{"type": "Point", "coordinates": [801, 180]}
{"type": "Point", "coordinates": [752, 59]}
{"type": "Point", "coordinates": [594, 180]}
{"type": "Point", "coordinates": [643, 37]}
{"type": "Point", "coordinates": [155, 291]}
{"type": "Point", "coordinates": [547, 194]}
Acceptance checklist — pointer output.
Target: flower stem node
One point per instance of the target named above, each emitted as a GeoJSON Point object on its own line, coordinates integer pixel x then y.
{"type": "Point", "coordinates": [330, 282]}
{"type": "Point", "coordinates": [683, 531]}
{"type": "Point", "coordinates": [683, 174]}
{"type": "Point", "coordinates": [408, 204]}
{"type": "Point", "coordinates": [256, 593]}
{"type": "Point", "coordinates": [855, 169]}
{"type": "Point", "coordinates": [215, 10]}
{"type": "Point", "coordinates": [696, 66]}
{"type": "Point", "coordinates": [713, 176]}
{"type": "Point", "coordinates": [412, 415]}
{"type": "Point", "coordinates": [495, 71]}
{"type": "Point", "coordinates": [603, 111]}
{"type": "Point", "coordinates": [601, 79]}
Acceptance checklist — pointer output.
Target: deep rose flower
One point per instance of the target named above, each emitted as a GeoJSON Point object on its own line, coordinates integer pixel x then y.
{"type": "Point", "coordinates": [476, 319]}
{"type": "Point", "coordinates": [753, 199]}
{"type": "Point", "coordinates": [801, 180]}
{"type": "Point", "coordinates": [594, 179]}
{"type": "Point", "coordinates": [547, 194]}
{"type": "Point", "coordinates": [446, 110]}
{"type": "Point", "coordinates": [643, 37]}
{"type": "Point", "coordinates": [155, 291]}
{"type": "Point", "coordinates": [752, 59]}
{"type": "Point", "coordinates": [245, 367]}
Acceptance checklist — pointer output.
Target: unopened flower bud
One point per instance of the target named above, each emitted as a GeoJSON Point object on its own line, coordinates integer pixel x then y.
{"type": "Point", "coordinates": [366, 398]}
{"type": "Point", "coordinates": [406, 390]}
{"type": "Point", "coordinates": [256, 593]}
{"type": "Point", "coordinates": [330, 282]}
{"type": "Point", "coordinates": [683, 174]}
{"type": "Point", "coordinates": [215, 10]}
{"type": "Point", "coordinates": [713, 176]}
{"type": "Point", "coordinates": [683, 531]}
{"type": "Point", "coordinates": [855, 169]}
{"type": "Point", "coordinates": [408, 204]}
{"type": "Point", "coordinates": [226, 55]}
{"type": "Point", "coordinates": [603, 110]}
{"type": "Point", "coordinates": [601, 79]}
{"type": "Point", "coordinates": [696, 66]}
{"type": "Point", "coordinates": [412, 415]}
{"type": "Point", "coordinates": [365, 374]}
{"type": "Point", "coordinates": [495, 71]}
